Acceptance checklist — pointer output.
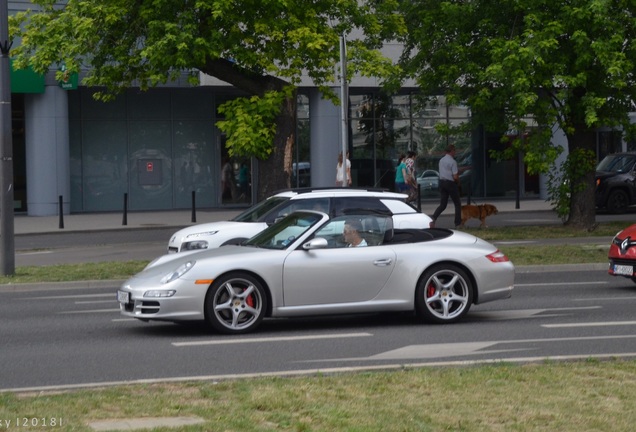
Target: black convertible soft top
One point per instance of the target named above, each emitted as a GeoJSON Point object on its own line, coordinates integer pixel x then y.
{"type": "Point", "coordinates": [396, 236]}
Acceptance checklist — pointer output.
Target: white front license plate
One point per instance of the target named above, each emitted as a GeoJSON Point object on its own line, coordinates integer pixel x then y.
{"type": "Point", "coordinates": [625, 270]}
{"type": "Point", "coordinates": [123, 297]}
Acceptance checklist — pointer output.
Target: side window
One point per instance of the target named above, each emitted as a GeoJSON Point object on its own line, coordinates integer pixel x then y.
{"type": "Point", "coordinates": [398, 206]}
{"type": "Point", "coordinates": [360, 205]}
{"type": "Point", "coordinates": [355, 230]}
{"type": "Point", "coordinates": [318, 204]}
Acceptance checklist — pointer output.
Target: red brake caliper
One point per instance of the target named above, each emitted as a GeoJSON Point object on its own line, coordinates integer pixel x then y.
{"type": "Point", "coordinates": [250, 300]}
{"type": "Point", "coordinates": [430, 291]}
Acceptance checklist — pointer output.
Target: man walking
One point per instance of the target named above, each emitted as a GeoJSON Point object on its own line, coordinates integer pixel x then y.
{"type": "Point", "coordinates": [448, 186]}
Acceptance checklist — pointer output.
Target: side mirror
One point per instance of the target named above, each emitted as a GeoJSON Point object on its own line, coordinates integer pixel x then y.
{"type": "Point", "coordinates": [316, 243]}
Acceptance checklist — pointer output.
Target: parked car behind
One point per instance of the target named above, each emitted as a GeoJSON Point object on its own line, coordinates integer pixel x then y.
{"type": "Point", "coordinates": [616, 182]}
{"type": "Point", "coordinates": [333, 201]}
{"type": "Point", "coordinates": [429, 182]}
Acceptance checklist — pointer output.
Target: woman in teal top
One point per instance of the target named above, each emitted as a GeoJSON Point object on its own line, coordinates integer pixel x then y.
{"type": "Point", "coordinates": [400, 175]}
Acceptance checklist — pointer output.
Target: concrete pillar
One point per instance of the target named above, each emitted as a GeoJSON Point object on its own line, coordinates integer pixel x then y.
{"type": "Point", "coordinates": [47, 152]}
{"type": "Point", "coordinates": [325, 141]}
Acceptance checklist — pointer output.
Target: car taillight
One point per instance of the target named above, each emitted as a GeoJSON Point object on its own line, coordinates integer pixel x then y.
{"type": "Point", "coordinates": [497, 256]}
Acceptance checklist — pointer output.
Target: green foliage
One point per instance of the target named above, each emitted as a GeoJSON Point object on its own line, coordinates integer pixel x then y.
{"type": "Point", "coordinates": [249, 123]}
{"type": "Point", "coordinates": [566, 64]}
{"type": "Point", "coordinates": [149, 42]}
{"type": "Point", "coordinates": [257, 46]}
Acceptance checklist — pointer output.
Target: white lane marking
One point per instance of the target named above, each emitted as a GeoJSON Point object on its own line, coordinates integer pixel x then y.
{"type": "Point", "coordinates": [35, 253]}
{"type": "Point", "coordinates": [271, 339]}
{"type": "Point", "coordinates": [88, 311]}
{"type": "Point", "coordinates": [595, 299]}
{"type": "Point", "coordinates": [430, 351]}
{"type": "Point", "coordinates": [590, 324]}
{"type": "Point", "coordinates": [437, 350]}
{"type": "Point", "coordinates": [111, 295]}
{"type": "Point", "coordinates": [562, 284]}
{"type": "Point", "coordinates": [95, 301]}
{"type": "Point", "coordinates": [526, 313]}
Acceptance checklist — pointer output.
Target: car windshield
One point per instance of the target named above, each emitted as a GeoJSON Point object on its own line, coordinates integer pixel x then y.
{"type": "Point", "coordinates": [617, 163]}
{"type": "Point", "coordinates": [286, 231]}
{"type": "Point", "coordinates": [260, 210]}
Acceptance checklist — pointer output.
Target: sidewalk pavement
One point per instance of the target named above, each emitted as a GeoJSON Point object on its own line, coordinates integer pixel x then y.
{"type": "Point", "coordinates": [180, 218]}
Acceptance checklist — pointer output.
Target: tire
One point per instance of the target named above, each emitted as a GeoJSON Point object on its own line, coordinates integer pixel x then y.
{"type": "Point", "coordinates": [617, 202]}
{"type": "Point", "coordinates": [235, 304]}
{"type": "Point", "coordinates": [444, 294]}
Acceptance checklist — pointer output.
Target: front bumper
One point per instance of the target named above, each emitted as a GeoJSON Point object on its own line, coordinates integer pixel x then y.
{"type": "Point", "coordinates": [184, 305]}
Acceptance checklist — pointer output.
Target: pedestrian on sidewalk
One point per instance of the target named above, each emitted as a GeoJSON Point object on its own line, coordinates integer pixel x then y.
{"type": "Point", "coordinates": [343, 181]}
{"type": "Point", "coordinates": [401, 175]}
{"type": "Point", "coordinates": [448, 186]}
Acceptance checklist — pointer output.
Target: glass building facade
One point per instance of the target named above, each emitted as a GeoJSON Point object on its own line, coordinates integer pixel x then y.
{"type": "Point", "coordinates": [159, 149]}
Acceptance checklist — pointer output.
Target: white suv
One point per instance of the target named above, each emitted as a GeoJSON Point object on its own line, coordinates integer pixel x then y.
{"type": "Point", "coordinates": [335, 202]}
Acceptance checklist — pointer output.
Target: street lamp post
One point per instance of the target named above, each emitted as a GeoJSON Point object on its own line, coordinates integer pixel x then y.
{"type": "Point", "coordinates": [344, 103]}
{"type": "Point", "coordinates": [7, 246]}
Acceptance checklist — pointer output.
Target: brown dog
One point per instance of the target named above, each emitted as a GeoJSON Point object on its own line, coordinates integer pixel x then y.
{"type": "Point", "coordinates": [480, 212]}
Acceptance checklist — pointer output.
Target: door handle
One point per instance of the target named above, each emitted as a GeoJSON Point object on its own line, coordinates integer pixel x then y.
{"type": "Point", "coordinates": [383, 262]}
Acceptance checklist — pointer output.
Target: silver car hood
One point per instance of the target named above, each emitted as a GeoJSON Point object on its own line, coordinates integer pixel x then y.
{"type": "Point", "coordinates": [169, 262]}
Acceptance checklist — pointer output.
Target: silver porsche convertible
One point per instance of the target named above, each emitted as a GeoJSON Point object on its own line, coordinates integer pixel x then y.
{"type": "Point", "coordinates": [308, 264]}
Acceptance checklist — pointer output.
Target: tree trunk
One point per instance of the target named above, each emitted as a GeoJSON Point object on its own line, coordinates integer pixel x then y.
{"type": "Point", "coordinates": [582, 200]}
{"type": "Point", "coordinates": [274, 173]}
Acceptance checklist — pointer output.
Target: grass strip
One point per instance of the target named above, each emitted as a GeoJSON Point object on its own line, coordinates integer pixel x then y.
{"type": "Point", "coordinates": [576, 396]}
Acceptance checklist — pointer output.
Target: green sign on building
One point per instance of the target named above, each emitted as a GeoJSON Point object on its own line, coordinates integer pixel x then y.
{"type": "Point", "coordinates": [26, 81]}
{"type": "Point", "coordinates": [69, 80]}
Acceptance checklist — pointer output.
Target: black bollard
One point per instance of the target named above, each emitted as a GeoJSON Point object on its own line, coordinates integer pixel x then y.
{"type": "Point", "coordinates": [419, 198]}
{"type": "Point", "coordinates": [194, 207]}
{"type": "Point", "coordinates": [125, 217]}
{"type": "Point", "coordinates": [61, 207]}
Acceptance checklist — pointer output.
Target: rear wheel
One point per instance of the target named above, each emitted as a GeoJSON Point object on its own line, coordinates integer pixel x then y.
{"type": "Point", "coordinates": [235, 304]}
{"type": "Point", "coordinates": [617, 201]}
{"type": "Point", "coordinates": [444, 294]}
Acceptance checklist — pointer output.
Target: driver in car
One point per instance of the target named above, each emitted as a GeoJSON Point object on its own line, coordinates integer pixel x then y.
{"type": "Point", "coordinates": [351, 233]}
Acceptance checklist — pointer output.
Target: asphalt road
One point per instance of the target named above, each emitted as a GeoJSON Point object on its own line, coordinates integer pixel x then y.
{"type": "Point", "coordinates": [71, 338]}
{"type": "Point", "coordinates": [74, 337]}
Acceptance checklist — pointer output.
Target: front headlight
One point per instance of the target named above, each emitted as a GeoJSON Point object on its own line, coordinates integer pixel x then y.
{"type": "Point", "coordinates": [160, 293]}
{"type": "Point", "coordinates": [195, 245]}
{"type": "Point", "coordinates": [180, 271]}
{"type": "Point", "coordinates": [194, 241]}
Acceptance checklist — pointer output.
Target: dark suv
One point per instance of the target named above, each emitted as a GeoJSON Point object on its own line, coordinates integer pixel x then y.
{"type": "Point", "coordinates": [616, 182]}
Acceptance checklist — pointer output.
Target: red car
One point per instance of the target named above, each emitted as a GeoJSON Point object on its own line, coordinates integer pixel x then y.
{"type": "Point", "coordinates": [622, 254]}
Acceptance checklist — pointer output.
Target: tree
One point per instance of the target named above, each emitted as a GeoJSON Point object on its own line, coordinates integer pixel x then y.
{"type": "Point", "coordinates": [566, 63]}
{"type": "Point", "coordinates": [260, 47]}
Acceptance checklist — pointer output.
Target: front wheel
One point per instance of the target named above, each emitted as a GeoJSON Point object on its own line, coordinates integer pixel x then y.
{"type": "Point", "coordinates": [617, 202]}
{"type": "Point", "coordinates": [235, 304]}
{"type": "Point", "coordinates": [444, 294]}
